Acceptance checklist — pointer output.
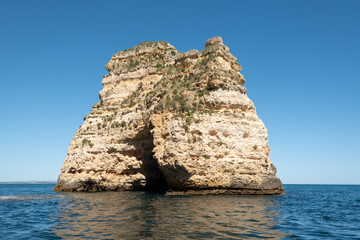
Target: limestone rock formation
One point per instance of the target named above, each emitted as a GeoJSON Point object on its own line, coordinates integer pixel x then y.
{"type": "Point", "coordinates": [171, 120]}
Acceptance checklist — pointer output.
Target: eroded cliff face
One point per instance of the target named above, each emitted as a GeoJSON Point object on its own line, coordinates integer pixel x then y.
{"type": "Point", "coordinates": [170, 120]}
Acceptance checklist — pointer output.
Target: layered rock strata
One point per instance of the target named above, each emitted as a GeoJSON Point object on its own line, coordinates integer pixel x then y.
{"type": "Point", "coordinates": [171, 120]}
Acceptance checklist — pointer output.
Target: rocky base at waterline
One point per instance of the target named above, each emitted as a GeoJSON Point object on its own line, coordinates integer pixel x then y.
{"type": "Point", "coordinates": [222, 191]}
{"type": "Point", "coordinates": [171, 120]}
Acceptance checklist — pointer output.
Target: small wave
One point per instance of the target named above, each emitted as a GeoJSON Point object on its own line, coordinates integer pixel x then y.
{"type": "Point", "coordinates": [28, 197]}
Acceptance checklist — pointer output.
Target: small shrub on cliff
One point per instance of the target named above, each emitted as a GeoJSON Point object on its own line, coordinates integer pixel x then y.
{"type": "Point", "coordinates": [131, 98]}
{"type": "Point", "coordinates": [255, 147]}
{"type": "Point", "coordinates": [188, 120]}
{"type": "Point", "coordinates": [203, 92]}
{"type": "Point", "coordinates": [86, 141]}
{"type": "Point", "coordinates": [184, 108]}
{"type": "Point", "coordinates": [133, 64]}
{"type": "Point", "coordinates": [115, 125]}
{"type": "Point", "coordinates": [148, 44]}
{"type": "Point", "coordinates": [164, 83]}
{"type": "Point", "coordinates": [162, 94]}
{"type": "Point", "coordinates": [159, 107]}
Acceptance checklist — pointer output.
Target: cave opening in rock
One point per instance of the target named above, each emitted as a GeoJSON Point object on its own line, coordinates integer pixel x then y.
{"type": "Point", "coordinates": [155, 180]}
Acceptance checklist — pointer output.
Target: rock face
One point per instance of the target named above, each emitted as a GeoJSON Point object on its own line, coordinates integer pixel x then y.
{"type": "Point", "coordinates": [170, 120]}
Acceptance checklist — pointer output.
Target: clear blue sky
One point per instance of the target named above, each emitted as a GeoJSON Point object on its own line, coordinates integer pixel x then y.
{"type": "Point", "coordinates": [300, 59]}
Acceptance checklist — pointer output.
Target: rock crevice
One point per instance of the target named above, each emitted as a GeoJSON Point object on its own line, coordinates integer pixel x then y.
{"type": "Point", "coordinates": [171, 120]}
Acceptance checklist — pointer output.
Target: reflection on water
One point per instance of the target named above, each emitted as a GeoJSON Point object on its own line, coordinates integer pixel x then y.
{"type": "Point", "coordinates": [29, 211]}
{"type": "Point", "coordinates": [141, 215]}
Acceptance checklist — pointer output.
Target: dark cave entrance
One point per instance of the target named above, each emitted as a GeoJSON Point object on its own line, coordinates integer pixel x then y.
{"type": "Point", "coordinates": [155, 180]}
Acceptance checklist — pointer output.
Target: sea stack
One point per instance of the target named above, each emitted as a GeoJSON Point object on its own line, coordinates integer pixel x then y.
{"type": "Point", "coordinates": [172, 122]}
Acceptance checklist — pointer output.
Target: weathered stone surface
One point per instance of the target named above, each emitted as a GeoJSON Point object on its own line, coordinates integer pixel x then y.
{"type": "Point", "coordinates": [170, 120]}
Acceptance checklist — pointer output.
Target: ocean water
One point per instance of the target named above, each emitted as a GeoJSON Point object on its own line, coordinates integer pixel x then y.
{"type": "Point", "coordinates": [34, 211]}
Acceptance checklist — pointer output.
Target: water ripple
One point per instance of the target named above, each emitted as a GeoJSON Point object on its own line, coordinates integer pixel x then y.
{"type": "Point", "coordinates": [28, 197]}
{"type": "Point", "coordinates": [133, 215]}
{"type": "Point", "coordinates": [305, 212]}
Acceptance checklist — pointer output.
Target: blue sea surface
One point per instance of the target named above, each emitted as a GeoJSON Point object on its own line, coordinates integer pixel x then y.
{"type": "Point", "coordinates": [34, 211]}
